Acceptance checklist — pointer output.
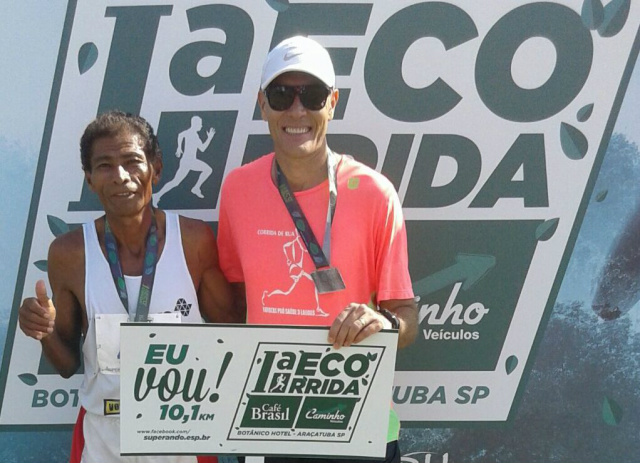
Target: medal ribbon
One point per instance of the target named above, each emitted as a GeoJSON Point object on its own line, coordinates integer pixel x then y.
{"type": "Point", "coordinates": [148, 273]}
{"type": "Point", "coordinates": [321, 256]}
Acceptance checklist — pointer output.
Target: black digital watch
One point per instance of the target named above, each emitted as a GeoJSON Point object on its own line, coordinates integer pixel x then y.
{"type": "Point", "coordinates": [395, 323]}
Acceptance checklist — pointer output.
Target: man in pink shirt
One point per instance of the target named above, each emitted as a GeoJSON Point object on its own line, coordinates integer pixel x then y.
{"type": "Point", "coordinates": [310, 237]}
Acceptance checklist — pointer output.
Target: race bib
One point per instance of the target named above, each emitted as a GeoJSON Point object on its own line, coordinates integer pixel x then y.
{"type": "Point", "coordinates": [108, 337]}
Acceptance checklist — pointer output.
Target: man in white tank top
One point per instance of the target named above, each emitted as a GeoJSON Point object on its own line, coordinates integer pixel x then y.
{"type": "Point", "coordinates": [122, 161]}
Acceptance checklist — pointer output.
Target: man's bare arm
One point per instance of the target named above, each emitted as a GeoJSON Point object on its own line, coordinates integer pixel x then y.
{"type": "Point", "coordinates": [57, 324]}
{"type": "Point", "coordinates": [406, 311]}
{"type": "Point", "coordinates": [214, 293]}
{"type": "Point", "coordinates": [239, 292]}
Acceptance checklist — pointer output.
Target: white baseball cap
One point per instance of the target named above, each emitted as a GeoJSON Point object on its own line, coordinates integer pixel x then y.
{"type": "Point", "coordinates": [298, 54]}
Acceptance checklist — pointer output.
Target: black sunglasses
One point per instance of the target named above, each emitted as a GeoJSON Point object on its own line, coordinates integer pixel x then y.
{"type": "Point", "coordinates": [312, 97]}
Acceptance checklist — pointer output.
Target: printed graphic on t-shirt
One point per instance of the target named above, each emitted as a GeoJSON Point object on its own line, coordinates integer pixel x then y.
{"type": "Point", "coordinates": [183, 307]}
{"type": "Point", "coordinates": [301, 296]}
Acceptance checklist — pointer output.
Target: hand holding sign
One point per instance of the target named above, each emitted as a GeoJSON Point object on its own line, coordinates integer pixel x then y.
{"type": "Point", "coordinates": [354, 324]}
{"type": "Point", "coordinates": [37, 314]}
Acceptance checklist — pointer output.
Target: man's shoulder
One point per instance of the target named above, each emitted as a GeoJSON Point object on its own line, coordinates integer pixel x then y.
{"type": "Point", "coordinates": [198, 245]}
{"type": "Point", "coordinates": [250, 172]}
{"type": "Point", "coordinates": [196, 234]}
{"type": "Point", "coordinates": [361, 177]}
{"type": "Point", "coordinates": [72, 241]}
{"type": "Point", "coordinates": [193, 227]}
{"type": "Point", "coordinates": [67, 250]}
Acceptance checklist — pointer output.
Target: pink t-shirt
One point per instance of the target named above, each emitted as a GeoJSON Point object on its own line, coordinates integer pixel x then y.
{"type": "Point", "coordinates": [259, 245]}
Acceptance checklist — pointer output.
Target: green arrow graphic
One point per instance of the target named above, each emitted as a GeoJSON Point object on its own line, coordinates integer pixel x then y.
{"type": "Point", "coordinates": [469, 269]}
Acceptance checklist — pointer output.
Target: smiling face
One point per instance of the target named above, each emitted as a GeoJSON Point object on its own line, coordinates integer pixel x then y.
{"type": "Point", "coordinates": [121, 175]}
{"type": "Point", "coordinates": [298, 132]}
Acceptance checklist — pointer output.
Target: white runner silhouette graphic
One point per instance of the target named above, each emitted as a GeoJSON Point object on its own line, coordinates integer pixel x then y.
{"type": "Point", "coordinates": [280, 384]}
{"type": "Point", "coordinates": [294, 252]}
{"type": "Point", "coordinates": [189, 143]}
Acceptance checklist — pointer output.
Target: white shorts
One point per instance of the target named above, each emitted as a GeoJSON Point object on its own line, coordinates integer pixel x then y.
{"type": "Point", "coordinates": [102, 443]}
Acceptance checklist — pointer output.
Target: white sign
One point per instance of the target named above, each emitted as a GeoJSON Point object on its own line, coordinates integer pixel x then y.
{"type": "Point", "coordinates": [266, 390]}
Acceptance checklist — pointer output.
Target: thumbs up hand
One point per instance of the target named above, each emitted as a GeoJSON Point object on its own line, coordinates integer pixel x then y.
{"type": "Point", "coordinates": [44, 301]}
{"type": "Point", "coordinates": [37, 314]}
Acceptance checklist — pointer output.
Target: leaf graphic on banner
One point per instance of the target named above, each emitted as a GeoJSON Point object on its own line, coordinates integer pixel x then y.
{"type": "Point", "coordinates": [574, 143]}
{"type": "Point", "coordinates": [615, 17]}
{"type": "Point", "coordinates": [57, 226]}
{"type": "Point", "coordinates": [511, 364]}
{"type": "Point", "coordinates": [28, 379]}
{"type": "Point", "coordinates": [546, 229]}
{"type": "Point", "coordinates": [41, 265]}
{"type": "Point", "coordinates": [611, 411]}
{"type": "Point", "coordinates": [87, 56]}
{"type": "Point", "coordinates": [279, 5]}
{"type": "Point", "coordinates": [601, 196]}
{"type": "Point", "coordinates": [585, 113]}
{"type": "Point", "coordinates": [592, 14]}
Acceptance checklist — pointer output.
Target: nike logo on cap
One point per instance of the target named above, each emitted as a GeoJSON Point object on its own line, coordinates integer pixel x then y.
{"type": "Point", "coordinates": [291, 54]}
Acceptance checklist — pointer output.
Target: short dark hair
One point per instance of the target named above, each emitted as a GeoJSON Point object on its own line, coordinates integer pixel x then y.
{"type": "Point", "coordinates": [113, 123]}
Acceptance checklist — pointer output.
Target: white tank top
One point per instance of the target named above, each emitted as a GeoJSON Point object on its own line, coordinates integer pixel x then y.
{"type": "Point", "coordinates": [172, 291]}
